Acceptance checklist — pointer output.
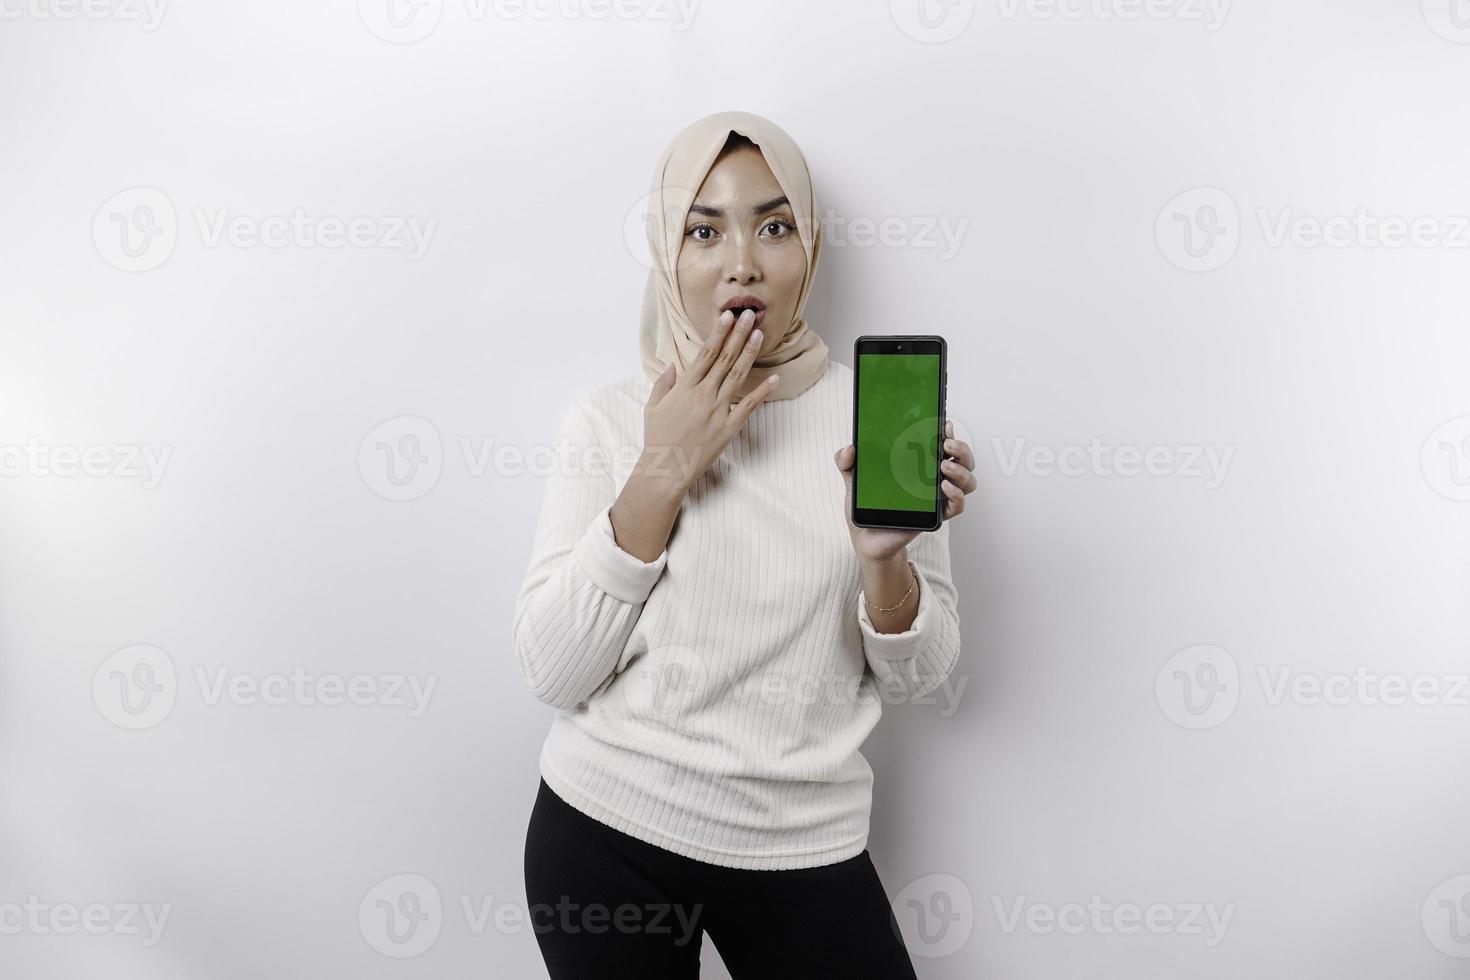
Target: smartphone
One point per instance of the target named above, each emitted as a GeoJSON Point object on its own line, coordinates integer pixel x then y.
{"type": "Point", "coordinates": [898, 396]}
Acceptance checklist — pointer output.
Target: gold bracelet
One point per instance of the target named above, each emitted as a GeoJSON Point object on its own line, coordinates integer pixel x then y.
{"type": "Point", "coordinates": [905, 595]}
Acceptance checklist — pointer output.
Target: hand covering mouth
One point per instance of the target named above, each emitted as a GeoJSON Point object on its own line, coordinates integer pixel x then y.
{"type": "Point", "coordinates": [742, 303]}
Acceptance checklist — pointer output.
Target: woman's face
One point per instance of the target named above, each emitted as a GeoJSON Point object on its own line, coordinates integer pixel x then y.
{"type": "Point", "coordinates": [741, 240]}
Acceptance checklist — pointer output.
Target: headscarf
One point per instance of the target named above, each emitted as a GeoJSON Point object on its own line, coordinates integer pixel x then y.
{"type": "Point", "coordinates": [666, 333]}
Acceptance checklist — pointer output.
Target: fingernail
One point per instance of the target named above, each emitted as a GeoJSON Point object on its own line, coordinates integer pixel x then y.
{"type": "Point", "coordinates": [773, 379]}
{"type": "Point", "coordinates": [755, 337]}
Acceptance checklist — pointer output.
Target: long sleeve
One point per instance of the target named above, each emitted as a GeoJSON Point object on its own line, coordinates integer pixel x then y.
{"type": "Point", "coordinates": [582, 593]}
{"type": "Point", "coordinates": [749, 764]}
{"type": "Point", "coordinates": [917, 660]}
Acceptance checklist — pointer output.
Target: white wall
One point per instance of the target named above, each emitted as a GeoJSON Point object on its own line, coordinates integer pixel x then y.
{"type": "Point", "coordinates": [1054, 142]}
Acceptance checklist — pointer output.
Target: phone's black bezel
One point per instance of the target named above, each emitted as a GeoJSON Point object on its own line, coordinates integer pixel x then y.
{"type": "Point", "coordinates": [900, 345]}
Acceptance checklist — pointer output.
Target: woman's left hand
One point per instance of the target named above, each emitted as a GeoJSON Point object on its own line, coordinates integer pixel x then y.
{"type": "Point", "coordinates": [958, 479]}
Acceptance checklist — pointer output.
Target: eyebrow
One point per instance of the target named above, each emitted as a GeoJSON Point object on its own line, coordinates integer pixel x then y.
{"type": "Point", "coordinates": [708, 211]}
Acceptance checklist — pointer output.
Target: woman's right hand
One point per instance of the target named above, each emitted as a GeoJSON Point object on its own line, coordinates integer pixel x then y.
{"type": "Point", "coordinates": [689, 419]}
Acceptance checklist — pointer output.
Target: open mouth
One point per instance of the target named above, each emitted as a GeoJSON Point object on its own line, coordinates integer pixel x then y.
{"type": "Point", "coordinates": [740, 304]}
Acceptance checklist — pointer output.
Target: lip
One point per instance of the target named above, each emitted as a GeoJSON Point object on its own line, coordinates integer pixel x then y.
{"type": "Point", "coordinates": [754, 302]}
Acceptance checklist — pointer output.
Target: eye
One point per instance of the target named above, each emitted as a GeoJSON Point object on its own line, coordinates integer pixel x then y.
{"type": "Point", "coordinates": [703, 226]}
{"type": "Point", "coordinates": [782, 226]}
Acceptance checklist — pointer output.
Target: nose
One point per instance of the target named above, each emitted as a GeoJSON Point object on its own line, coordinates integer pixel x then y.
{"type": "Point", "coordinates": [743, 266]}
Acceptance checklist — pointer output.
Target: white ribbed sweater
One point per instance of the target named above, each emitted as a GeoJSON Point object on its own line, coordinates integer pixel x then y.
{"type": "Point", "coordinates": [712, 702]}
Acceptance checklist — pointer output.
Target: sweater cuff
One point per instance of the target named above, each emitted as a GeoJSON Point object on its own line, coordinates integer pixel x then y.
{"type": "Point", "coordinates": [899, 646]}
{"type": "Point", "coordinates": [612, 569]}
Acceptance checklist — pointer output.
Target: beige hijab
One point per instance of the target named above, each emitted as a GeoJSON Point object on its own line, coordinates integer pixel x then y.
{"type": "Point", "coordinates": [666, 334]}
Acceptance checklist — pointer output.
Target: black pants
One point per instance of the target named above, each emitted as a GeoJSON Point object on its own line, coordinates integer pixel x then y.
{"type": "Point", "coordinates": [607, 905]}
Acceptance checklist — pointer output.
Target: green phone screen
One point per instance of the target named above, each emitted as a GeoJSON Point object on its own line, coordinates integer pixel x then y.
{"type": "Point", "coordinates": [898, 432]}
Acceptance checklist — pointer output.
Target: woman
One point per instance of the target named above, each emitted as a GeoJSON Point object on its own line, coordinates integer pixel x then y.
{"type": "Point", "coordinates": [716, 634]}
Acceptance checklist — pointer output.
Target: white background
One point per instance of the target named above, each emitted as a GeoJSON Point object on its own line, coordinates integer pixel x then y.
{"type": "Point", "coordinates": [1073, 766]}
